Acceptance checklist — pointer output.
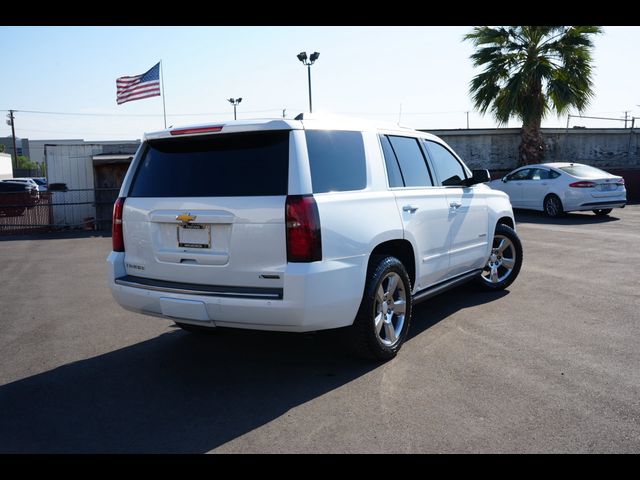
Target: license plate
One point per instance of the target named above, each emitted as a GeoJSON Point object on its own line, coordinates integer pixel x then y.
{"type": "Point", "coordinates": [194, 235]}
{"type": "Point", "coordinates": [607, 187]}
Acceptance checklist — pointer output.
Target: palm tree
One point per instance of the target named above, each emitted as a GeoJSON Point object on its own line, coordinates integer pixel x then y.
{"type": "Point", "coordinates": [529, 71]}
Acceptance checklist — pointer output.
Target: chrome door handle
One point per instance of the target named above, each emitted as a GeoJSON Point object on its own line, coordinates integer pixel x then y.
{"type": "Point", "coordinates": [455, 205]}
{"type": "Point", "coordinates": [409, 208]}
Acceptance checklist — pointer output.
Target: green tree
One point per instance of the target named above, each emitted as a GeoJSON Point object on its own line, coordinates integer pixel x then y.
{"type": "Point", "coordinates": [530, 71]}
{"type": "Point", "coordinates": [25, 163]}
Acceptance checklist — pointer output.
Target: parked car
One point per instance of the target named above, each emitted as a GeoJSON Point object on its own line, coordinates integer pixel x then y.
{"type": "Point", "coordinates": [39, 183]}
{"type": "Point", "coordinates": [16, 197]}
{"type": "Point", "coordinates": [556, 188]}
{"type": "Point", "coordinates": [303, 225]}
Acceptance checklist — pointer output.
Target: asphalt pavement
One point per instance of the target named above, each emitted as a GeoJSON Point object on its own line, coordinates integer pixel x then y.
{"type": "Point", "coordinates": [550, 365]}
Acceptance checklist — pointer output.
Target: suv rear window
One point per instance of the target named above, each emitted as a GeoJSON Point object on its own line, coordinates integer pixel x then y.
{"type": "Point", "coordinates": [231, 165]}
{"type": "Point", "coordinates": [337, 160]}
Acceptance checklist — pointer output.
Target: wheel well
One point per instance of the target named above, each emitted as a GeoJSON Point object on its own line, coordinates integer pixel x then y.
{"type": "Point", "coordinates": [551, 195]}
{"type": "Point", "coordinates": [506, 221]}
{"type": "Point", "coordinates": [403, 251]}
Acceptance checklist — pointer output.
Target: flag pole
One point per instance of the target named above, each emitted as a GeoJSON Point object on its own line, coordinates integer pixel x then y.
{"type": "Point", "coordinates": [164, 108]}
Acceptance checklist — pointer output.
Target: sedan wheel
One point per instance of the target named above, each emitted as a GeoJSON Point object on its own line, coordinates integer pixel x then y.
{"type": "Point", "coordinates": [553, 206]}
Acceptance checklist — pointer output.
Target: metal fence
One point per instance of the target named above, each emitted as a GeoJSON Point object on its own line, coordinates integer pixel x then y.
{"type": "Point", "coordinates": [79, 209]}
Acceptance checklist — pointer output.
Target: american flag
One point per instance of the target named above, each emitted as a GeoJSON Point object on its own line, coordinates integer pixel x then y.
{"type": "Point", "coordinates": [140, 86]}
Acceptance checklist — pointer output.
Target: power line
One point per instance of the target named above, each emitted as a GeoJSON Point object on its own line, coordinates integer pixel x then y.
{"type": "Point", "coordinates": [40, 112]}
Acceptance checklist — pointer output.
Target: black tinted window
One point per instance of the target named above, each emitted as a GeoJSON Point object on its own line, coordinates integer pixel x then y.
{"type": "Point", "coordinates": [393, 170]}
{"type": "Point", "coordinates": [242, 164]}
{"type": "Point", "coordinates": [540, 174]}
{"type": "Point", "coordinates": [523, 174]}
{"type": "Point", "coordinates": [448, 168]}
{"type": "Point", "coordinates": [414, 169]}
{"type": "Point", "coordinates": [553, 174]}
{"type": "Point", "coordinates": [6, 187]}
{"type": "Point", "coordinates": [337, 160]}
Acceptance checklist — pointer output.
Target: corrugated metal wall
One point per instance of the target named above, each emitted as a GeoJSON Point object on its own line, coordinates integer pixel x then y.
{"type": "Point", "coordinates": [73, 165]}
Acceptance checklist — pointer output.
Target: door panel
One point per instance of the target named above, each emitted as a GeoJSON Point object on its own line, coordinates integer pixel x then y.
{"type": "Point", "coordinates": [425, 218]}
{"type": "Point", "coordinates": [468, 225]}
{"type": "Point", "coordinates": [535, 188]}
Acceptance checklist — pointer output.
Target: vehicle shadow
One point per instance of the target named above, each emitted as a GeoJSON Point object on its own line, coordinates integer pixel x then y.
{"type": "Point", "coordinates": [573, 218]}
{"type": "Point", "coordinates": [186, 393]}
{"type": "Point", "coordinates": [429, 313]}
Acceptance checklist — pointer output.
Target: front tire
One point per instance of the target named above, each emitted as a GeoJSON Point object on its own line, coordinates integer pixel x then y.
{"type": "Point", "coordinates": [383, 319]}
{"type": "Point", "coordinates": [505, 260]}
{"type": "Point", "coordinates": [553, 206]}
{"type": "Point", "coordinates": [602, 212]}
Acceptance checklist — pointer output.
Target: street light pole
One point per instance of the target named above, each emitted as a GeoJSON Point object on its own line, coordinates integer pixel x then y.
{"type": "Point", "coordinates": [302, 56]}
{"type": "Point", "coordinates": [234, 102]}
{"type": "Point", "coordinates": [310, 105]}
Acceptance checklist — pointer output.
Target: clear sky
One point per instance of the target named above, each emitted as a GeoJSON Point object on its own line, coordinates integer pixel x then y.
{"type": "Point", "coordinates": [368, 72]}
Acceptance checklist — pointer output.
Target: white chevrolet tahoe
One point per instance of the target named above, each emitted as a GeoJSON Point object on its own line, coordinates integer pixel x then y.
{"type": "Point", "coordinates": [304, 225]}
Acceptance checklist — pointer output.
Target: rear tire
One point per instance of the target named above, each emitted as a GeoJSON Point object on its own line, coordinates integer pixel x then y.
{"type": "Point", "coordinates": [602, 212]}
{"type": "Point", "coordinates": [553, 206]}
{"type": "Point", "coordinates": [505, 261]}
{"type": "Point", "coordinates": [383, 319]}
{"type": "Point", "coordinates": [187, 327]}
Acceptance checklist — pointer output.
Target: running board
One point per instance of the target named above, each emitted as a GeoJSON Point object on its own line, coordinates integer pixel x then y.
{"type": "Point", "coordinates": [427, 293]}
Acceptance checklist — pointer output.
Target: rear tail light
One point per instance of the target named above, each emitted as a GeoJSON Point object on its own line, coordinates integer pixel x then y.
{"type": "Point", "coordinates": [582, 184]}
{"type": "Point", "coordinates": [304, 243]}
{"type": "Point", "coordinates": [117, 238]}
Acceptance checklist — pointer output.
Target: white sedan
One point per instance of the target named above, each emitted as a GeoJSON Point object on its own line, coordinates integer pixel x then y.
{"type": "Point", "coordinates": [556, 188]}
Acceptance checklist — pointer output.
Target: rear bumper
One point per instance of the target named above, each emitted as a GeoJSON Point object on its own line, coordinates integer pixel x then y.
{"type": "Point", "coordinates": [576, 200]}
{"type": "Point", "coordinates": [315, 296]}
{"type": "Point", "coordinates": [597, 205]}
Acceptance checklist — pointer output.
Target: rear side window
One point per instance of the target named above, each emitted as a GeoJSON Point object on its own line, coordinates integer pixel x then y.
{"type": "Point", "coordinates": [232, 165]}
{"type": "Point", "coordinates": [540, 174]}
{"type": "Point", "coordinates": [449, 170]}
{"type": "Point", "coordinates": [337, 160]}
{"type": "Point", "coordinates": [412, 163]}
{"type": "Point", "coordinates": [393, 169]}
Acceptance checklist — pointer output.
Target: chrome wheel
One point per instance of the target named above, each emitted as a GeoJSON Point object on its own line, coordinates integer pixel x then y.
{"type": "Point", "coordinates": [501, 262]}
{"type": "Point", "coordinates": [552, 206]}
{"type": "Point", "coordinates": [390, 309]}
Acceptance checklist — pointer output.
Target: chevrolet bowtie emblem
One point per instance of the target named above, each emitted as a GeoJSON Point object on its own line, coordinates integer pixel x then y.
{"type": "Point", "coordinates": [186, 218]}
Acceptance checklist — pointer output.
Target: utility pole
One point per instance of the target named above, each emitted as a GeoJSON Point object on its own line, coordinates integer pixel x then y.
{"type": "Point", "coordinates": [11, 122]}
{"type": "Point", "coordinates": [284, 111]}
{"type": "Point", "coordinates": [626, 112]}
{"type": "Point", "coordinates": [467, 120]}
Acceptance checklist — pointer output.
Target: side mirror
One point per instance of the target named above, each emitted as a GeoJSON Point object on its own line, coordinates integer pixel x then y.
{"type": "Point", "coordinates": [479, 176]}
{"type": "Point", "coordinates": [505, 179]}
